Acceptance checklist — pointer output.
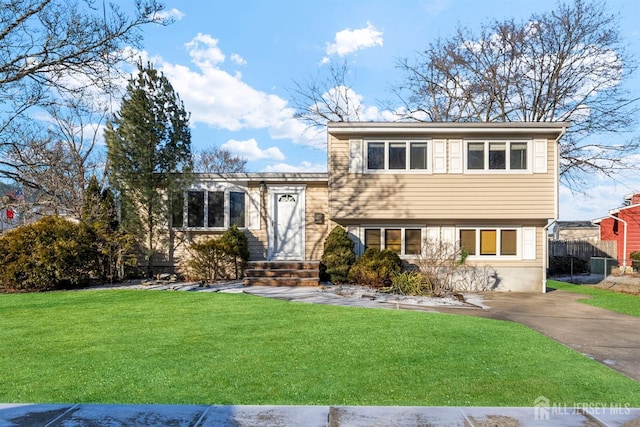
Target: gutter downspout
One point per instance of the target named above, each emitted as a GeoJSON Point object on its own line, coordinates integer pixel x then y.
{"type": "Point", "coordinates": [624, 242]}
{"type": "Point", "coordinates": [545, 256]}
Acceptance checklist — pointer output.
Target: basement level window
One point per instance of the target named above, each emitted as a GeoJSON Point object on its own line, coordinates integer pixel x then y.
{"type": "Point", "coordinates": [490, 241]}
{"type": "Point", "coordinates": [403, 241]}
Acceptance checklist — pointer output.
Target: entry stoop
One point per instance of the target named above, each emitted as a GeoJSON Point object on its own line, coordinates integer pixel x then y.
{"type": "Point", "coordinates": [282, 273]}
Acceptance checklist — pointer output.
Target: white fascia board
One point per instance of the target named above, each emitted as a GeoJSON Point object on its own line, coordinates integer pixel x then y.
{"type": "Point", "coordinates": [381, 128]}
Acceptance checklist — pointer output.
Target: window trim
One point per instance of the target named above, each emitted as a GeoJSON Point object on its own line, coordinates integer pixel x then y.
{"type": "Point", "coordinates": [498, 230]}
{"type": "Point", "coordinates": [407, 169]}
{"type": "Point", "coordinates": [221, 187]}
{"type": "Point", "coordinates": [403, 242]}
{"type": "Point", "coordinates": [507, 169]}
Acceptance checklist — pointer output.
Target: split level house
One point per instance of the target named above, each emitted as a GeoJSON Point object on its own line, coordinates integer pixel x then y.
{"type": "Point", "coordinates": [490, 188]}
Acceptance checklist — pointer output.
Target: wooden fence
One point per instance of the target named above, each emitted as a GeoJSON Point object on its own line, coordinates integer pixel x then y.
{"type": "Point", "coordinates": [583, 249]}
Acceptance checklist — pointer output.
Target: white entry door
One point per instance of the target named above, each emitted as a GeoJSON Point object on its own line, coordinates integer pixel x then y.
{"type": "Point", "coordinates": [287, 232]}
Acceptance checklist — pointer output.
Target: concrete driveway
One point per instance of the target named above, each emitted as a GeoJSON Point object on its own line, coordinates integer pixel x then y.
{"type": "Point", "coordinates": [606, 336]}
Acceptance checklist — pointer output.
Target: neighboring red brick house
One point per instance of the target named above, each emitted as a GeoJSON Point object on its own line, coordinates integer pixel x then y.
{"type": "Point", "coordinates": [623, 226]}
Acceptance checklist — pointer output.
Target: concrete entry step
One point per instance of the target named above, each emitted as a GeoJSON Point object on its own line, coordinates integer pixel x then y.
{"type": "Point", "coordinates": [285, 265]}
{"type": "Point", "coordinates": [282, 273]}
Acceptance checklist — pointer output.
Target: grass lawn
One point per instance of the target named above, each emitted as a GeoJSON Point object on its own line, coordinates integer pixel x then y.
{"type": "Point", "coordinates": [610, 300]}
{"type": "Point", "coordinates": [204, 348]}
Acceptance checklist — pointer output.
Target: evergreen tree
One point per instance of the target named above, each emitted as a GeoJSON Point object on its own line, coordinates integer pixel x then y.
{"type": "Point", "coordinates": [149, 155]}
{"type": "Point", "coordinates": [99, 215]}
{"type": "Point", "coordinates": [338, 255]}
{"type": "Point", "coordinates": [236, 245]}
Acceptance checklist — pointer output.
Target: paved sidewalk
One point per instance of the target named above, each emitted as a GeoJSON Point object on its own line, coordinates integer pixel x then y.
{"type": "Point", "coordinates": [309, 416]}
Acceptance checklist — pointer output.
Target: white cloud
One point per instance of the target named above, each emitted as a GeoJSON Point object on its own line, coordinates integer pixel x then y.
{"type": "Point", "coordinates": [204, 51]}
{"type": "Point", "coordinates": [304, 166]}
{"type": "Point", "coordinates": [170, 14]}
{"type": "Point", "coordinates": [349, 41]}
{"type": "Point", "coordinates": [238, 59]}
{"type": "Point", "coordinates": [249, 150]}
{"type": "Point", "coordinates": [221, 99]}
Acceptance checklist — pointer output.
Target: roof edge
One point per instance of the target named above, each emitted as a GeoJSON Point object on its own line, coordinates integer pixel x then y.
{"type": "Point", "coordinates": [452, 127]}
{"type": "Point", "coordinates": [264, 176]}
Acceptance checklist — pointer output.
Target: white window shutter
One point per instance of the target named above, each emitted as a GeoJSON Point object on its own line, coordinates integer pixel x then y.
{"type": "Point", "coordinates": [540, 156]}
{"type": "Point", "coordinates": [439, 156]}
{"type": "Point", "coordinates": [449, 239]}
{"type": "Point", "coordinates": [355, 156]}
{"type": "Point", "coordinates": [253, 213]}
{"type": "Point", "coordinates": [455, 156]}
{"type": "Point", "coordinates": [449, 235]}
{"type": "Point", "coordinates": [354, 234]}
{"type": "Point", "coordinates": [433, 235]}
{"type": "Point", "coordinates": [528, 243]}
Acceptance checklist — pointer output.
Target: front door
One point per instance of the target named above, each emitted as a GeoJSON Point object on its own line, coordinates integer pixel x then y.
{"type": "Point", "coordinates": [287, 236]}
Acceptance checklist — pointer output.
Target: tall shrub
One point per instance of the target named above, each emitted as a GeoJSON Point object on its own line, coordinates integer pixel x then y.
{"type": "Point", "coordinates": [206, 261]}
{"type": "Point", "coordinates": [236, 246]}
{"type": "Point", "coordinates": [338, 255]}
{"type": "Point", "coordinates": [51, 253]}
{"type": "Point", "coordinates": [220, 258]}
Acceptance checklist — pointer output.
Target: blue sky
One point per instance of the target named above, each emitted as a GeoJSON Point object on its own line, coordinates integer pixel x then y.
{"type": "Point", "coordinates": [232, 63]}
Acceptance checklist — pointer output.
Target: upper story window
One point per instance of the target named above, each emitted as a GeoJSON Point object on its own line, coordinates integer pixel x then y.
{"type": "Point", "coordinates": [497, 156]}
{"type": "Point", "coordinates": [397, 156]}
{"type": "Point", "coordinates": [209, 209]}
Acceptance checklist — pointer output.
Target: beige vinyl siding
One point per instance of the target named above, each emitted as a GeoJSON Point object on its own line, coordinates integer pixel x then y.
{"type": "Point", "coordinates": [316, 202]}
{"type": "Point", "coordinates": [434, 196]}
{"type": "Point", "coordinates": [258, 237]}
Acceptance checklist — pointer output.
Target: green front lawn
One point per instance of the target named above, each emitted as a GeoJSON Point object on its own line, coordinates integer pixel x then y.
{"type": "Point", "coordinates": [610, 300]}
{"type": "Point", "coordinates": [204, 348]}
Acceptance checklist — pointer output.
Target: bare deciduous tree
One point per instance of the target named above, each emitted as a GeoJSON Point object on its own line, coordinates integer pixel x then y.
{"type": "Point", "coordinates": [50, 48]}
{"type": "Point", "coordinates": [326, 98]}
{"type": "Point", "coordinates": [569, 64]}
{"type": "Point", "coordinates": [52, 159]}
{"type": "Point", "coordinates": [218, 160]}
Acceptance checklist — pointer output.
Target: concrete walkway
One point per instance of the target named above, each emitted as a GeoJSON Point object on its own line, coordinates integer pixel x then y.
{"type": "Point", "coordinates": [309, 416]}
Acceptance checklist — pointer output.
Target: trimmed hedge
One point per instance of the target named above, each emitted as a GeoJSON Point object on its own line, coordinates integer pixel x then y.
{"type": "Point", "coordinates": [376, 268]}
